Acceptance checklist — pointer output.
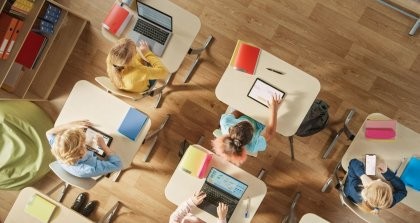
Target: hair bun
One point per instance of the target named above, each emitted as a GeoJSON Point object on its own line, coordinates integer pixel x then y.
{"type": "Point", "coordinates": [237, 142]}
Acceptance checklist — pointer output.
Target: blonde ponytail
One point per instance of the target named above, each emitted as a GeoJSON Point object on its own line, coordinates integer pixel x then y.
{"type": "Point", "coordinates": [118, 58]}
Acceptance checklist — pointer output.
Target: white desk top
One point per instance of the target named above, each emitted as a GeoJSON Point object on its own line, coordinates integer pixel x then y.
{"type": "Point", "coordinates": [61, 214]}
{"type": "Point", "coordinates": [185, 28]}
{"type": "Point", "coordinates": [301, 90]}
{"type": "Point", "coordinates": [407, 144]}
{"type": "Point", "coordinates": [106, 112]}
{"type": "Point", "coordinates": [182, 186]}
{"type": "Point", "coordinates": [312, 218]}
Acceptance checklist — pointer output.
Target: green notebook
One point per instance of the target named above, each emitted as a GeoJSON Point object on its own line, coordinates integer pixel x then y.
{"type": "Point", "coordinates": [40, 208]}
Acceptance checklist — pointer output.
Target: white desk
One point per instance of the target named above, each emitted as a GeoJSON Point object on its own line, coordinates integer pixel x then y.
{"type": "Point", "coordinates": [185, 28]}
{"type": "Point", "coordinates": [61, 214]}
{"type": "Point", "coordinates": [301, 90]}
{"type": "Point", "coordinates": [312, 218]}
{"type": "Point", "coordinates": [106, 112]}
{"type": "Point", "coordinates": [182, 186]}
{"type": "Point", "coordinates": [407, 144]}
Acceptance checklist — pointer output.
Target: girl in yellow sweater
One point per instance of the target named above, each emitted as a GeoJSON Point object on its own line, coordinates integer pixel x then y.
{"type": "Point", "coordinates": [129, 71]}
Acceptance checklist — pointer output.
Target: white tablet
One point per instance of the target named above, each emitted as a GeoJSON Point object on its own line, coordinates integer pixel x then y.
{"type": "Point", "coordinates": [262, 92]}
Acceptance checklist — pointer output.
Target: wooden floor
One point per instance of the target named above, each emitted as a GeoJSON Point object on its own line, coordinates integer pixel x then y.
{"type": "Point", "coordinates": [358, 49]}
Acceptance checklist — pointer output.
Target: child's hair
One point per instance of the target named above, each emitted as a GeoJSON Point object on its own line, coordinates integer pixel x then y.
{"type": "Point", "coordinates": [232, 146]}
{"type": "Point", "coordinates": [69, 146]}
{"type": "Point", "coordinates": [376, 196]}
{"type": "Point", "coordinates": [118, 57]}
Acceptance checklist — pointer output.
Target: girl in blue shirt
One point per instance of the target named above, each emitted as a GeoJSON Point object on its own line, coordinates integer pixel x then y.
{"type": "Point", "coordinates": [68, 146]}
{"type": "Point", "coordinates": [242, 133]}
{"type": "Point", "coordinates": [373, 195]}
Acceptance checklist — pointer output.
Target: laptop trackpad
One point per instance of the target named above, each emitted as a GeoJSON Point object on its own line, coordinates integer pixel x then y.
{"type": "Point", "coordinates": [209, 207]}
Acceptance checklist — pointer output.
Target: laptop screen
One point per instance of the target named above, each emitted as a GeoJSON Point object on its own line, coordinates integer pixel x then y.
{"type": "Point", "coordinates": [226, 183]}
{"type": "Point", "coordinates": [153, 15]}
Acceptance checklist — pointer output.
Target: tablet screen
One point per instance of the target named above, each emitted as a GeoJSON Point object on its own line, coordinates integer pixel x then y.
{"type": "Point", "coordinates": [262, 92]}
{"type": "Point", "coordinates": [92, 143]}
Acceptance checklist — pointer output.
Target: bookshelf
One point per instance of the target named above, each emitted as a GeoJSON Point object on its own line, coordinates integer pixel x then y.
{"type": "Point", "coordinates": [37, 83]}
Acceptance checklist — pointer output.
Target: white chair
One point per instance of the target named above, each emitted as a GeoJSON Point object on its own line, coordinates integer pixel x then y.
{"type": "Point", "coordinates": [70, 180]}
{"type": "Point", "coordinates": [368, 217]}
{"type": "Point", "coordinates": [106, 83]}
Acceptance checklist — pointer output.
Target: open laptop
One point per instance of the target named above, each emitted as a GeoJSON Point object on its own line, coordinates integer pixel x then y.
{"type": "Point", "coordinates": [153, 26]}
{"type": "Point", "coordinates": [221, 187]}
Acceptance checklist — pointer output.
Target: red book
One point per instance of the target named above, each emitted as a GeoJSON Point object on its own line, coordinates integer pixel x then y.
{"type": "Point", "coordinates": [30, 50]}
{"type": "Point", "coordinates": [117, 19]}
{"type": "Point", "coordinates": [7, 25]}
{"type": "Point", "coordinates": [245, 57]}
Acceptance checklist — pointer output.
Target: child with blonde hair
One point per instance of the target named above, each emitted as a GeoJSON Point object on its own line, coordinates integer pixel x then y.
{"type": "Point", "coordinates": [373, 195]}
{"type": "Point", "coordinates": [129, 71]}
{"type": "Point", "coordinates": [242, 134]}
{"type": "Point", "coordinates": [68, 146]}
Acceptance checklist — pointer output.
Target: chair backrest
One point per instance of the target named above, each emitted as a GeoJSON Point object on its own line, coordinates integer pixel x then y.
{"type": "Point", "coordinates": [368, 217]}
{"type": "Point", "coordinates": [82, 183]}
{"type": "Point", "coordinates": [106, 83]}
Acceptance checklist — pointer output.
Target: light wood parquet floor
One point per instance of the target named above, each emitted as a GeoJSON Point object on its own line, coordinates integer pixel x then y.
{"type": "Point", "coordinates": [358, 49]}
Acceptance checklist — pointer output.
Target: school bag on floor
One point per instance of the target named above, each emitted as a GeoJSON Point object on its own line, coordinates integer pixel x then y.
{"type": "Point", "coordinates": [315, 120]}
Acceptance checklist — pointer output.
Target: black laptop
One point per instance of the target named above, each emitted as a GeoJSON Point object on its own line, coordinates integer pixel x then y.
{"type": "Point", "coordinates": [221, 187]}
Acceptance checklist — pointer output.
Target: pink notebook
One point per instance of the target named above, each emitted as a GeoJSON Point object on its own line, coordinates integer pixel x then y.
{"type": "Point", "coordinates": [380, 129]}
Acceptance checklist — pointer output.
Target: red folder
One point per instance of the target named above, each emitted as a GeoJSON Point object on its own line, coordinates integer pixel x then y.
{"type": "Point", "coordinates": [117, 19]}
{"type": "Point", "coordinates": [12, 40]}
{"type": "Point", "coordinates": [7, 25]}
{"type": "Point", "coordinates": [30, 49]}
{"type": "Point", "coordinates": [246, 58]}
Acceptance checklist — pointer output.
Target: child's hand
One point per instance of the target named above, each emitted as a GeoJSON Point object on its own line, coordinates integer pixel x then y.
{"type": "Point", "coordinates": [274, 102]}
{"type": "Point", "coordinates": [198, 197]}
{"type": "Point", "coordinates": [222, 210]}
{"type": "Point", "coordinates": [382, 167]}
{"type": "Point", "coordinates": [143, 47]}
{"type": "Point", "coordinates": [81, 123]}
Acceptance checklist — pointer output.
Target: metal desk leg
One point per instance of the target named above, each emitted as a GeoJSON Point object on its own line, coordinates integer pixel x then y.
{"type": "Point", "coordinates": [291, 217]}
{"type": "Point", "coordinates": [196, 52]}
{"type": "Point", "coordinates": [414, 29]}
{"type": "Point", "coordinates": [292, 152]}
{"type": "Point", "coordinates": [153, 137]}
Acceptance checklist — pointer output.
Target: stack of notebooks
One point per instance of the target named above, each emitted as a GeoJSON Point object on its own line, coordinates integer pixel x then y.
{"type": "Point", "coordinates": [9, 31]}
{"type": "Point", "coordinates": [245, 57]}
{"type": "Point", "coordinates": [19, 8]}
{"type": "Point", "coordinates": [195, 162]}
{"type": "Point", "coordinates": [381, 129]}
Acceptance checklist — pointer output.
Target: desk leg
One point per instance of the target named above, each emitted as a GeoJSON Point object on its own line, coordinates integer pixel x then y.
{"type": "Point", "coordinates": [292, 152]}
{"type": "Point", "coordinates": [291, 217]}
{"type": "Point", "coordinates": [153, 136]}
{"type": "Point", "coordinates": [196, 52]}
{"type": "Point", "coordinates": [414, 29]}
{"type": "Point", "coordinates": [65, 186]}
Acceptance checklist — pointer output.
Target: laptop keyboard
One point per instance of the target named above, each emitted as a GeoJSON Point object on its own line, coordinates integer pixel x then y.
{"type": "Point", "coordinates": [151, 31]}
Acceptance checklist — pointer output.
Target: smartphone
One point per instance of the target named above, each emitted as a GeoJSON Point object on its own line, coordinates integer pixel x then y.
{"type": "Point", "coordinates": [370, 164]}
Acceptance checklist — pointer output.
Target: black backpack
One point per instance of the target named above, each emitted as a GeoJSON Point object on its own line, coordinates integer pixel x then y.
{"type": "Point", "coordinates": [315, 120]}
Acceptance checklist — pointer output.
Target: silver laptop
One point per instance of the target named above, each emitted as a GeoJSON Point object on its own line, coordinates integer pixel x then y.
{"type": "Point", "coordinates": [153, 26]}
{"type": "Point", "coordinates": [221, 187]}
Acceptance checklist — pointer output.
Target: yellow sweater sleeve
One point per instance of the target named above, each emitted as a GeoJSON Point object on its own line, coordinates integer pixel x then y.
{"type": "Point", "coordinates": [136, 77]}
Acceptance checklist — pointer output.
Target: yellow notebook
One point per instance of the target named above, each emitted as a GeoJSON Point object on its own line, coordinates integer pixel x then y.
{"type": "Point", "coordinates": [195, 161]}
{"type": "Point", "coordinates": [40, 208]}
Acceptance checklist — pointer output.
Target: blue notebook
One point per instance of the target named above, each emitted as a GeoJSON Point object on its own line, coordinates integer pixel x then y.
{"type": "Point", "coordinates": [133, 123]}
{"type": "Point", "coordinates": [410, 176]}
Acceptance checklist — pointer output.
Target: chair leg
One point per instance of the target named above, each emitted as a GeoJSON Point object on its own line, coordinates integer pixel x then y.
{"type": "Point", "coordinates": [415, 26]}
{"type": "Point", "coordinates": [196, 52]}
{"type": "Point", "coordinates": [292, 152]}
{"type": "Point", "coordinates": [331, 146]}
{"type": "Point", "coordinates": [261, 173]}
{"type": "Point", "coordinates": [63, 192]}
{"type": "Point", "coordinates": [153, 137]}
{"type": "Point", "coordinates": [291, 217]}
{"type": "Point", "coordinates": [110, 215]}
{"type": "Point", "coordinates": [334, 175]}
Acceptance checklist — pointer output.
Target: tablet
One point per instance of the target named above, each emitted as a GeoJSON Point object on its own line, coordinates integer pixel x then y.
{"type": "Point", "coordinates": [262, 92]}
{"type": "Point", "coordinates": [92, 144]}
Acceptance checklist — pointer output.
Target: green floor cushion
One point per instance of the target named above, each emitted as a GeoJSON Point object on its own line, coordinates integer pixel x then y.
{"type": "Point", "coordinates": [24, 149]}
